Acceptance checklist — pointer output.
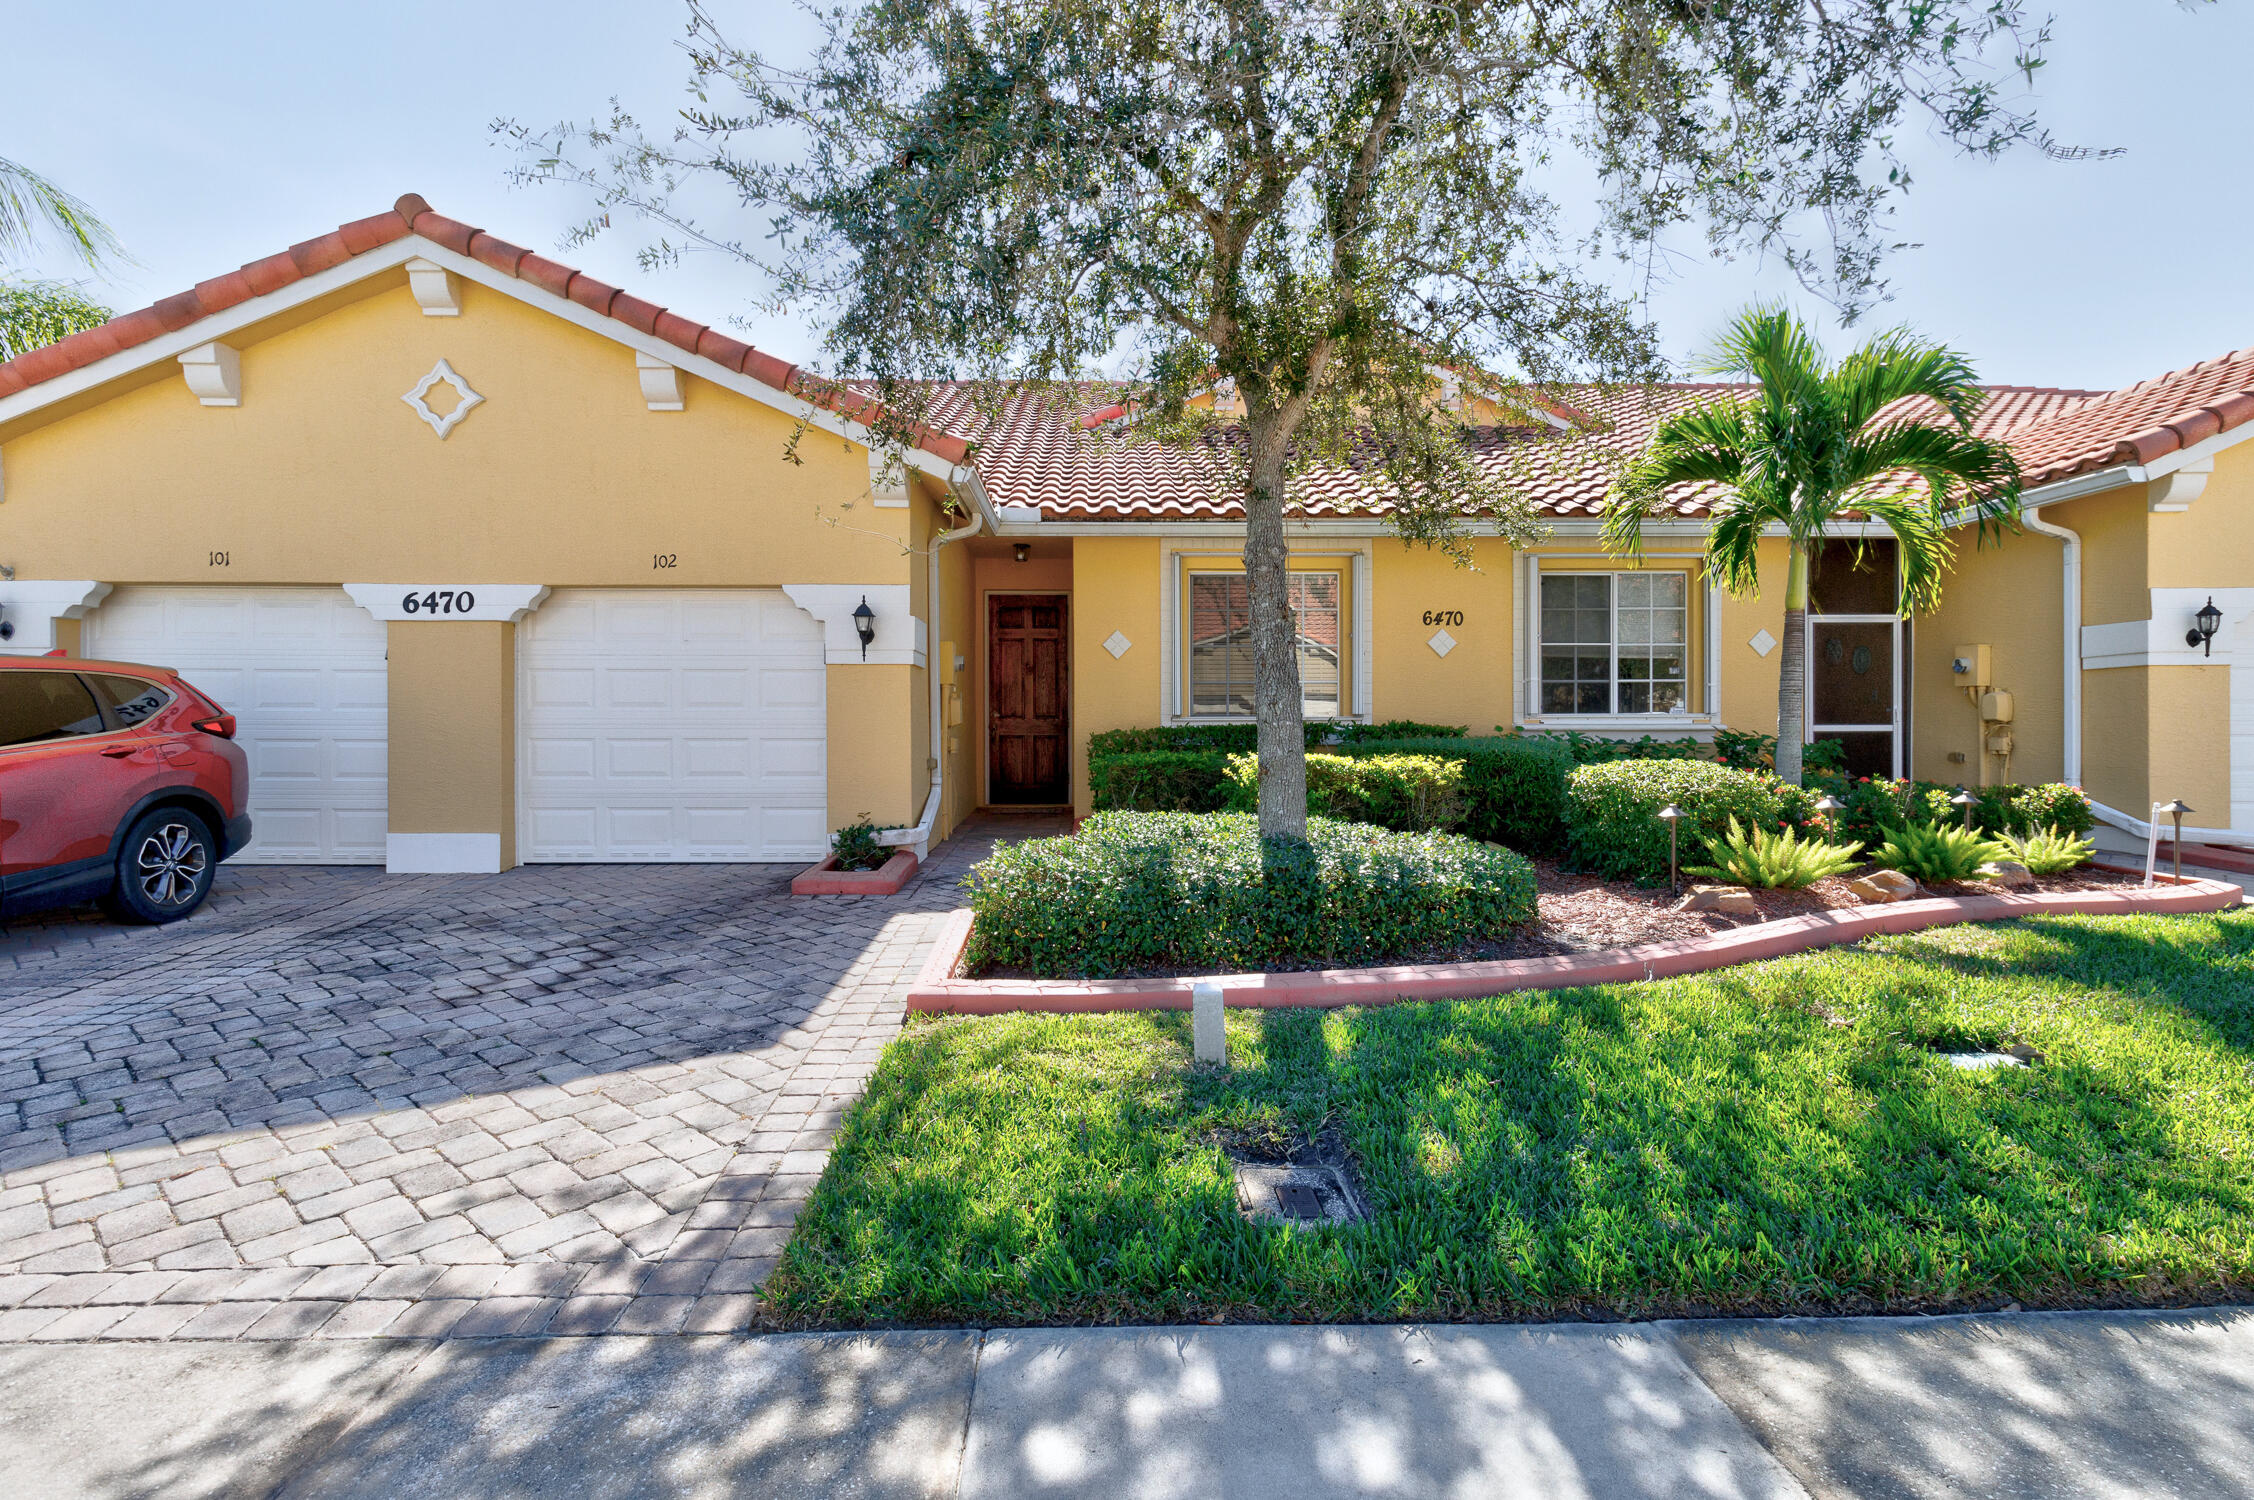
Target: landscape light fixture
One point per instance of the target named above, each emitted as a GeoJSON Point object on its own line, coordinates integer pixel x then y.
{"type": "Point", "coordinates": [1671, 815]}
{"type": "Point", "coordinates": [2203, 627]}
{"type": "Point", "coordinates": [2176, 811]}
{"type": "Point", "coordinates": [865, 625]}
{"type": "Point", "coordinates": [1965, 800]}
{"type": "Point", "coordinates": [1022, 551]}
{"type": "Point", "coordinates": [1830, 807]}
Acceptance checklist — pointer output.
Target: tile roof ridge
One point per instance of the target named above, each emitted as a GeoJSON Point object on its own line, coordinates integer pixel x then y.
{"type": "Point", "coordinates": [412, 214]}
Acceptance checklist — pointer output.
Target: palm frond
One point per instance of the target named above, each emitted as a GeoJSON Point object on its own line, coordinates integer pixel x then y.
{"type": "Point", "coordinates": [1897, 365]}
{"type": "Point", "coordinates": [32, 207]}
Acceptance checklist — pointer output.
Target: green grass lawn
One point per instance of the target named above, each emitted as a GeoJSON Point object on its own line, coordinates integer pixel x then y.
{"type": "Point", "coordinates": [1776, 1137]}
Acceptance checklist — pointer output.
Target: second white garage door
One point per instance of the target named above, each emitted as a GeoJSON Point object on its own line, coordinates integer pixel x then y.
{"type": "Point", "coordinates": [672, 724]}
{"type": "Point", "coordinates": [302, 670]}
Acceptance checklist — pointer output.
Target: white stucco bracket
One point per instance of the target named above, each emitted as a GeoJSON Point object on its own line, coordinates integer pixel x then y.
{"type": "Point", "coordinates": [661, 383]}
{"type": "Point", "coordinates": [500, 603]}
{"type": "Point", "coordinates": [33, 605]}
{"type": "Point", "coordinates": [214, 373]}
{"type": "Point", "coordinates": [2175, 491]}
{"type": "Point", "coordinates": [888, 479]}
{"type": "Point", "coordinates": [434, 290]}
{"type": "Point", "coordinates": [899, 640]}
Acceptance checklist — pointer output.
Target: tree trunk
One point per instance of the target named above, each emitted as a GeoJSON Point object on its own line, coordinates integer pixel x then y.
{"type": "Point", "coordinates": [1792, 684]}
{"type": "Point", "coordinates": [1275, 658]}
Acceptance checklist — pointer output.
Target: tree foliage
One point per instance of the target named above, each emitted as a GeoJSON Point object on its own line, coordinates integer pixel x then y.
{"type": "Point", "coordinates": [34, 314]}
{"type": "Point", "coordinates": [32, 209]}
{"type": "Point", "coordinates": [1333, 209]}
{"type": "Point", "coordinates": [1884, 435]}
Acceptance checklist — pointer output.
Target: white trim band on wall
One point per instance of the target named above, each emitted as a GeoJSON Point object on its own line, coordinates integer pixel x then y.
{"type": "Point", "coordinates": [33, 605]}
{"type": "Point", "coordinates": [442, 854]}
{"type": "Point", "coordinates": [900, 633]}
{"type": "Point", "coordinates": [496, 603]}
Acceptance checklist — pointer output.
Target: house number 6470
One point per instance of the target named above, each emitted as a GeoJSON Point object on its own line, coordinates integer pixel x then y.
{"type": "Point", "coordinates": [439, 602]}
{"type": "Point", "coordinates": [1443, 617]}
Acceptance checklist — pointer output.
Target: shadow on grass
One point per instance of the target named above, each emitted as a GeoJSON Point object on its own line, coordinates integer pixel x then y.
{"type": "Point", "coordinates": [1773, 1138]}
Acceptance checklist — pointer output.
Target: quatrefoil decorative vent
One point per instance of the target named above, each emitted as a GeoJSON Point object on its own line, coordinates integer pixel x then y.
{"type": "Point", "coordinates": [442, 373]}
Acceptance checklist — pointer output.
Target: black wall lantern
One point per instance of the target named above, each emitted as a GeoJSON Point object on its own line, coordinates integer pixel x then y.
{"type": "Point", "coordinates": [2203, 627]}
{"type": "Point", "coordinates": [865, 625]}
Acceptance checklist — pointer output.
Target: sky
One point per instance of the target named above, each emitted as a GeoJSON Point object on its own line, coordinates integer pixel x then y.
{"type": "Point", "coordinates": [208, 138]}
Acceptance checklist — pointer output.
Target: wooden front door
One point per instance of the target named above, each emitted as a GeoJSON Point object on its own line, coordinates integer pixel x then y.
{"type": "Point", "coordinates": [1026, 683]}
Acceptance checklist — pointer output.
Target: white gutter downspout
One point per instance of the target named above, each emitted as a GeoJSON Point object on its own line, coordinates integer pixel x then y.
{"type": "Point", "coordinates": [918, 838]}
{"type": "Point", "coordinates": [2071, 574]}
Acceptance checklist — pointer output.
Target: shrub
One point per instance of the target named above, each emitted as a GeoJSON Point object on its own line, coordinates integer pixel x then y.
{"type": "Point", "coordinates": [2047, 851]}
{"type": "Point", "coordinates": [1513, 788]}
{"type": "Point", "coordinates": [1771, 859]}
{"type": "Point", "coordinates": [856, 846]}
{"type": "Point", "coordinates": [1876, 806]}
{"type": "Point", "coordinates": [1399, 729]}
{"type": "Point", "coordinates": [1748, 751]}
{"type": "Point", "coordinates": [1407, 793]}
{"type": "Point", "coordinates": [1938, 852]}
{"type": "Point", "coordinates": [1178, 891]}
{"type": "Point", "coordinates": [1159, 781]}
{"type": "Point", "coordinates": [1597, 749]}
{"type": "Point", "coordinates": [1611, 823]}
{"type": "Point", "coordinates": [1231, 739]}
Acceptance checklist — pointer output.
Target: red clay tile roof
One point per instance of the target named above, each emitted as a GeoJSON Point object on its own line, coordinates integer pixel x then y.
{"type": "Point", "coordinates": [411, 215]}
{"type": "Point", "coordinates": [2142, 422]}
{"type": "Point", "coordinates": [1056, 450]}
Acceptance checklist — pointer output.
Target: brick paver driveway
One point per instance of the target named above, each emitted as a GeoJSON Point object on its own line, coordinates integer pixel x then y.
{"type": "Point", "coordinates": [563, 1099]}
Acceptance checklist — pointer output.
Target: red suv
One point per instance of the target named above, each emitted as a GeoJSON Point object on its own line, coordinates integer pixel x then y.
{"type": "Point", "coordinates": [118, 783]}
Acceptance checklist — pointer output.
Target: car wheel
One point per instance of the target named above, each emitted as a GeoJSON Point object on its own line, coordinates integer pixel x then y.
{"type": "Point", "coordinates": [165, 869]}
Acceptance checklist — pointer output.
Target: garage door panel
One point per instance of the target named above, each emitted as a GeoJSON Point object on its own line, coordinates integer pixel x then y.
{"type": "Point", "coordinates": [302, 670]}
{"type": "Point", "coordinates": [560, 688]}
{"type": "Point", "coordinates": [801, 760]}
{"type": "Point", "coordinates": [673, 725]}
{"type": "Point", "coordinates": [784, 689]}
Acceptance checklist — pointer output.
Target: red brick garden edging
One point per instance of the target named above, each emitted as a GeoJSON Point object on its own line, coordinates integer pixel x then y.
{"type": "Point", "coordinates": [826, 879]}
{"type": "Point", "coordinates": [937, 990]}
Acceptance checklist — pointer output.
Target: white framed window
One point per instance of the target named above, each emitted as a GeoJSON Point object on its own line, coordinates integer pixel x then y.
{"type": "Point", "coordinates": [1218, 636]}
{"type": "Point", "coordinates": [1614, 643]}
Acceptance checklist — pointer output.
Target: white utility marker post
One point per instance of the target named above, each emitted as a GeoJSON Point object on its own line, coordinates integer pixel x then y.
{"type": "Point", "coordinates": [1209, 1034]}
{"type": "Point", "coordinates": [2152, 844]}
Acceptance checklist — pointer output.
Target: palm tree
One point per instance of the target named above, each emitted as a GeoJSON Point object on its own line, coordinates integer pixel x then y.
{"type": "Point", "coordinates": [30, 204]}
{"type": "Point", "coordinates": [1814, 443]}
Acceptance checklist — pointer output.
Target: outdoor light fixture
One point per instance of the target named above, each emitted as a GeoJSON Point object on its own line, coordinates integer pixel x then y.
{"type": "Point", "coordinates": [2203, 627]}
{"type": "Point", "coordinates": [1671, 815]}
{"type": "Point", "coordinates": [865, 625]}
{"type": "Point", "coordinates": [1965, 800]}
{"type": "Point", "coordinates": [1022, 551]}
{"type": "Point", "coordinates": [2176, 811]}
{"type": "Point", "coordinates": [1830, 807]}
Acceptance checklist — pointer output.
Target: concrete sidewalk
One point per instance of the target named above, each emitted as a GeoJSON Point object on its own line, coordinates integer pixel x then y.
{"type": "Point", "coordinates": [2096, 1404]}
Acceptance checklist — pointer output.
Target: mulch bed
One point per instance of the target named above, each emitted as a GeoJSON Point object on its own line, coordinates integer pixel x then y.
{"type": "Point", "coordinates": [1583, 914]}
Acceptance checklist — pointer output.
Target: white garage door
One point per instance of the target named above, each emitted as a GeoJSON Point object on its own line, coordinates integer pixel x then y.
{"type": "Point", "coordinates": [302, 670]}
{"type": "Point", "coordinates": [672, 724]}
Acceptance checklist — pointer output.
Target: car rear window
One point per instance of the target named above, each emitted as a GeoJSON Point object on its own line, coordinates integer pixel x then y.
{"type": "Point", "coordinates": [37, 706]}
{"type": "Point", "coordinates": [132, 699]}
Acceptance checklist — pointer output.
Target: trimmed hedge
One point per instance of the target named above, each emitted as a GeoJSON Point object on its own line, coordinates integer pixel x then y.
{"type": "Point", "coordinates": [1159, 781]}
{"type": "Point", "coordinates": [1513, 788]}
{"type": "Point", "coordinates": [1406, 793]}
{"type": "Point", "coordinates": [1180, 891]}
{"type": "Point", "coordinates": [1228, 739]}
{"type": "Point", "coordinates": [1399, 729]}
{"type": "Point", "coordinates": [1612, 827]}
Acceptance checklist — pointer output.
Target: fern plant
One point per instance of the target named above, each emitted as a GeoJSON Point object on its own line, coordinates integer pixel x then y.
{"type": "Point", "coordinates": [1773, 860]}
{"type": "Point", "coordinates": [2047, 851]}
{"type": "Point", "coordinates": [1938, 852]}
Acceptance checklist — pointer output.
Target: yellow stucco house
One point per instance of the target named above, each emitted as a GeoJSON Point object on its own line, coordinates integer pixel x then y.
{"type": "Point", "coordinates": [497, 564]}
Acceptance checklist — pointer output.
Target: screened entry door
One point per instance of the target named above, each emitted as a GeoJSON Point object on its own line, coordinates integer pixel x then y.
{"type": "Point", "coordinates": [1855, 689]}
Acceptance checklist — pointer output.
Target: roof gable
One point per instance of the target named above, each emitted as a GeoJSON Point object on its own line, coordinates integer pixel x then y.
{"type": "Point", "coordinates": [377, 244]}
